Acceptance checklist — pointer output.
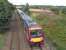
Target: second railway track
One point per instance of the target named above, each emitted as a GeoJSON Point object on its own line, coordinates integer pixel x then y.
{"type": "Point", "coordinates": [13, 40]}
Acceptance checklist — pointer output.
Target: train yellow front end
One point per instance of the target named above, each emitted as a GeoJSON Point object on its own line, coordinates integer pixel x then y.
{"type": "Point", "coordinates": [36, 36]}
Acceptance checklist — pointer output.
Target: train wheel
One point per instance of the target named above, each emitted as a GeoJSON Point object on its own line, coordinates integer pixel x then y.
{"type": "Point", "coordinates": [40, 46]}
{"type": "Point", "coordinates": [31, 47]}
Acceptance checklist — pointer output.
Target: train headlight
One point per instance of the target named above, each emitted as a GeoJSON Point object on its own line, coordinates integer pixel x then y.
{"type": "Point", "coordinates": [39, 39]}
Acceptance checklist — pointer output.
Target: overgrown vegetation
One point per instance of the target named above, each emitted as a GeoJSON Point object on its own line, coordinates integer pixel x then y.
{"type": "Point", "coordinates": [6, 10]}
{"type": "Point", "coordinates": [54, 28]}
{"type": "Point", "coordinates": [2, 40]}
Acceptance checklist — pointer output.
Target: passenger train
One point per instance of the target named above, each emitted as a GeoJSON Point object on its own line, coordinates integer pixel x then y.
{"type": "Point", "coordinates": [34, 33]}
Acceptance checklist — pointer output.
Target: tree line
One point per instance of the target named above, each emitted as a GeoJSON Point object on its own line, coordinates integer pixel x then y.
{"type": "Point", "coordinates": [6, 10]}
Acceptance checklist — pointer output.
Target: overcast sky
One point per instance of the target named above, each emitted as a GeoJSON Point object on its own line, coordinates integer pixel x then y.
{"type": "Point", "coordinates": [39, 2]}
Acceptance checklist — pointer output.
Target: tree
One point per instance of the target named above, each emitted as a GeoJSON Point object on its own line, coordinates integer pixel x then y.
{"type": "Point", "coordinates": [6, 10]}
{"type": "Point", "coordinates": [64, 11]}
{"type": "Point", "coordinates": [26, 9]}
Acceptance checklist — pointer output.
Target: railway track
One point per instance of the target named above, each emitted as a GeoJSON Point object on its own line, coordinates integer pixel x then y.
{"type": "Point", "coordinates": [13, 40]}
{"type": "Point", "coordinates": [15, 31]}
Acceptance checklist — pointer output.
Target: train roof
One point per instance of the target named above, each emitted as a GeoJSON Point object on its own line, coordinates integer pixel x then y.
{"type": "Point", "coordinates": [35, 27]}
{"type": "Point", "coordinates": [27, 19]}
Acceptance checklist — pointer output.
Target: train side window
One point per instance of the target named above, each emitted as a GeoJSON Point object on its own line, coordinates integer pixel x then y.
{"type": "Point", "coordinates": [22, 13]}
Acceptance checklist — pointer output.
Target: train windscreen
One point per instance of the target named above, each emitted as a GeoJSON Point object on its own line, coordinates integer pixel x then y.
{"type": "Point", "coordinates": [35, 33]}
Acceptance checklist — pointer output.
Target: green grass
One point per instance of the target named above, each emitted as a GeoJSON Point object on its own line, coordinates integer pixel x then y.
{"type": "Point", "coordinates": [2, 40]}
{"type": "Point", "coordinates": [54, 28]}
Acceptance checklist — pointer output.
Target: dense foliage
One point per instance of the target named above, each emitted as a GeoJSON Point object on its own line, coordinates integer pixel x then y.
{"type": "Point", "coordinates": [6, 10]}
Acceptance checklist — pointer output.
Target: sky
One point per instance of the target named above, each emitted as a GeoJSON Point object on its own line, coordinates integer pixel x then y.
{"type": "Point", "coordinates": [39, 2]}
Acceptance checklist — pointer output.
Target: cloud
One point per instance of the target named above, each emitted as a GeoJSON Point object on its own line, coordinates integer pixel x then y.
{"type": "Point", "coordinates": [40, 2]}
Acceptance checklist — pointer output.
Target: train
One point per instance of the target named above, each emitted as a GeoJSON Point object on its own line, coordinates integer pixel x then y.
{"type": "Point", "coordinates": [34, 33]}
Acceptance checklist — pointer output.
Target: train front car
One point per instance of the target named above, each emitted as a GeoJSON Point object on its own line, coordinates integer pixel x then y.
{"type": "Point", "coordinates": [36, 36]}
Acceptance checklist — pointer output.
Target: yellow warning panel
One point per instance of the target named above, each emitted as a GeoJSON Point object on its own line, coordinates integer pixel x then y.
{"type": "Point", "coordinates": [36, 39]}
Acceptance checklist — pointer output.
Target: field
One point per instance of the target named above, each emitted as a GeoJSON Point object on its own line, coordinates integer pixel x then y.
{"type": "Point", "coordinates": [54, 28]}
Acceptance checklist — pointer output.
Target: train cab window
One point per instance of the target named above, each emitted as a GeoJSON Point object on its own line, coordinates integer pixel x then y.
{"type": "Point", "coordinates": [30, 21]}
{"type": "Point", "coordinates": [36, 33]}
